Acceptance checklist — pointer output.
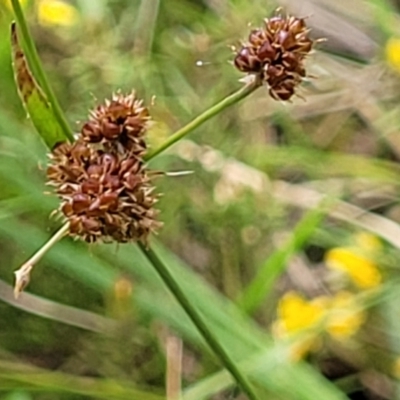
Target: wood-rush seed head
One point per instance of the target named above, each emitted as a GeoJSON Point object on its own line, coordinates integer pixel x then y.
{"type": "Point", "coordinates": [105, 190]}
{"type": "Point", "coordinates": [120, 124]}
{"type": "Point", "coordinates": [275, 54]}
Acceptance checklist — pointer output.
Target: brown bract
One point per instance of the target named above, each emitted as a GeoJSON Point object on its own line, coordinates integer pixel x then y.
{"type": "Point", "coordinates": [105, 190]}
{"type": "Point", "coordinates": [276, 54]}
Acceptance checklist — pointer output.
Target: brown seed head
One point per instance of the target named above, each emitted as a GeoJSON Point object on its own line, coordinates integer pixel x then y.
{"type": "Point", "coordinates": [276, 53]}
{"type": "Point", "coordinates": [119, 124]}
{"type": "Point", "coordinates": [105, 190]}
{"type": "Point", "coordinates": [103, 195]}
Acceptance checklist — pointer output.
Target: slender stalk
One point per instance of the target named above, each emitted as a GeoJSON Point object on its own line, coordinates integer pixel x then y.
{"type": "Point", "coordinates": [173, 381]}
{"type": "Point", "coordinates": [47, 246]}
{"type": "Point", "coordinates": [36, 65]}
{"type": "Point", "coordinates": [22, 275]}
{"type": "Point", "coordinates": [206, 115]}
{"type": "Point", "coordinates": [198, 320]}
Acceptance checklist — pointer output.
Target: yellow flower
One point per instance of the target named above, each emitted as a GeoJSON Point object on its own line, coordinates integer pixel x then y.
{"type": "Point", "coordinates": [339, 316]}
{"type": "Point", "coordinates": [345, 317]}
{"type": "Point", "coordinates": [357, 261]}
{"type": "Point", "coordinates": [296, 313]}
{"type": "Point", "coordinates": [368, 243]}
{"type": "Point", "coordinates": [359, 268]}
{"type": "Point", "coordinates": [392, 53]}
{"type": "Point", "coordinates": [56, 12]}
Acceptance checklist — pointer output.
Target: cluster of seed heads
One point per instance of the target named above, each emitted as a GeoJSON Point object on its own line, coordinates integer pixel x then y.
{"type": "Point", "coordinates": [105, 189]}
{"type": "Point", "coordinates": [102, 180]}
{"type": "Point", "coordinates": [276, 53]}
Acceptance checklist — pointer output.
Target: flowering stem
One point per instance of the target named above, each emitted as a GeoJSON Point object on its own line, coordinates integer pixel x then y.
{"type": "Point", "coordinates": [36, 65]}
{"type": "Point", "coordinates": [205, 116]}
{"type": "Point", "coordinates": [22, 275]}
{"type": "Point", "coordinates": [198, 320]}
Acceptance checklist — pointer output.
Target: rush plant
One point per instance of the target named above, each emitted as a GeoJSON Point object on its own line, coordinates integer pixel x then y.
{"type": "Point", "coordinates": [108, 192]}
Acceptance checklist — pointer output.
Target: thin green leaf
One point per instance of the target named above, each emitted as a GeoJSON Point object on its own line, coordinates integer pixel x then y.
{"type": "Point", "coordinates": [33, 98]}
{"type": "Point", "coordinates": [38, 379]}
{"type": "Point", "coordinates": [38, 71]}
{"type": "Point", "coordinates": [273, 267]}
{"type": "Point", "coordinates": [17, 395]}
{"type": "Point", "coordinates": [290, 380]}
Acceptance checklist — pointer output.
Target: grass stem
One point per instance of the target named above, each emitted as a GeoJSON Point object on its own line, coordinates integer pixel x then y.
{"type": "Point", "coordinates": [205, 116]}
{"type": "Point", "coordinates": [198, 321]}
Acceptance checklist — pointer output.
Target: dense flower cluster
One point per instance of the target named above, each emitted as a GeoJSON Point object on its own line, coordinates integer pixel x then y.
{"type": "Point", "coordinates": [101, 178]}
{"type": "Point", "coordinates": [276, 54]}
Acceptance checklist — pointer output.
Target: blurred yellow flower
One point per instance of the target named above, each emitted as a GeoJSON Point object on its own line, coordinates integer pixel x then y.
{"type": "Point", "coordinates": [56, 12]}
{"type": "Point", "coordinates": [296, 313]}
{"type": "Point", "coordinates": [392, 53]}
{"type": "Point", "coordinates": [345, 318]}
{"type": "Point", "coordinates": [339, 316]}
{"type": "Point", "coordinates": [358, 261]}
{"type": "Point", "coordinates": [360, 269]}
{"type": "Point", "coordinates": [367, 242]}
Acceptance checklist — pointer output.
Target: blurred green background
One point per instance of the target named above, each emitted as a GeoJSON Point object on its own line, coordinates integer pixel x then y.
{"type": "Point", "coordinates": [96, 321]}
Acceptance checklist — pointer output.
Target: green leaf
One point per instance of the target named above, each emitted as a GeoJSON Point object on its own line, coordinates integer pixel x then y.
{"type": "Point", "coordinates": [33, 98]}
{"type": "Point", "coordinates": [17, 395]}
{"type": "Point", "coordinates": [275, 265]}
{"type": "Point", "coordinates": [22, 376]}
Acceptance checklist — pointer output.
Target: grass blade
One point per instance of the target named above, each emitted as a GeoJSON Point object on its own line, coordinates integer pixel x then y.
{"type": "Point", "coordinates": [274, 266]}
{"type": "Point", "coordinates": [37, 379]}
{"type": "Point", "coordinates": [33, 98]}
{"type": "Point", "coordinates": [34, 60]}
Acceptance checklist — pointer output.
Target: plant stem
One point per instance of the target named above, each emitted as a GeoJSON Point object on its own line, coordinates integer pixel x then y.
{"type": "Point", "coordinates": [22, 275]}
{"type": "Point", "coordinates": [33, 59]}
{"type": "Point", "coordinates": [206, 115]}
{"type": "Point", "coordinates": [50, 243]}
{"type": "Point", "coordinates": [198, 321]}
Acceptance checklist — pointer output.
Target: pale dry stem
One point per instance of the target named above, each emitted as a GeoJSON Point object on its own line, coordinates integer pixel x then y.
{"type": "Point", "coordinates": [23, 274]}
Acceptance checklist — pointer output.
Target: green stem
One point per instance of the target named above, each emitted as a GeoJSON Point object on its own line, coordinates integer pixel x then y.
{"type": "Point", "coordinates": [33, 59]}
{"type": "Point", "coordinates": [197, 319]}
{"type": "Point", "coordinates": [206, 115]}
